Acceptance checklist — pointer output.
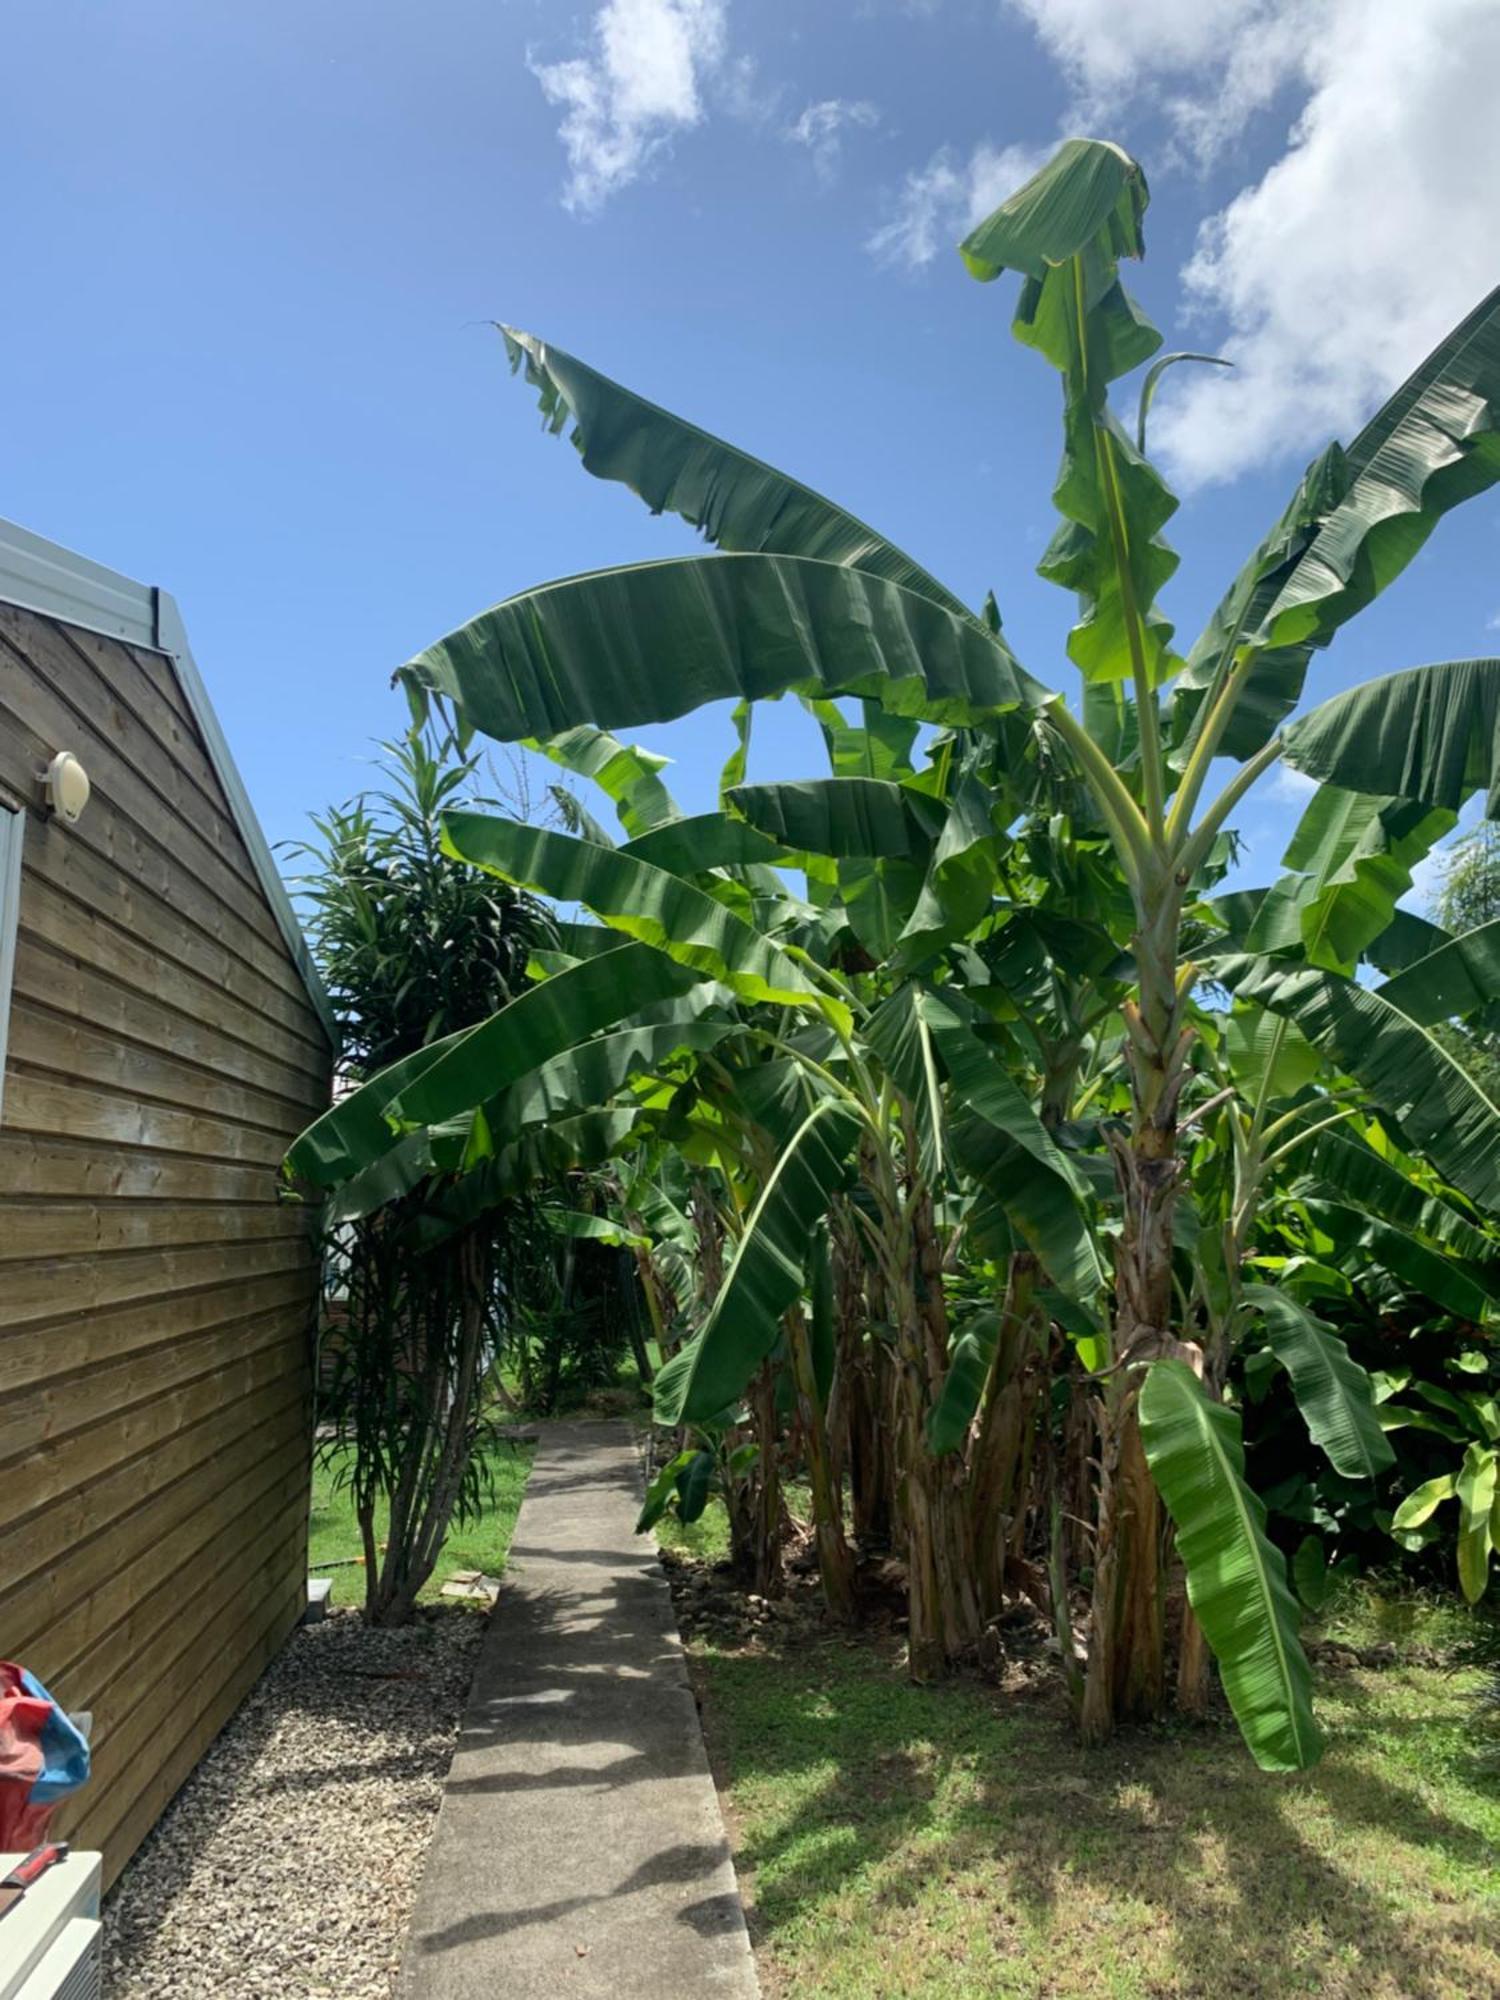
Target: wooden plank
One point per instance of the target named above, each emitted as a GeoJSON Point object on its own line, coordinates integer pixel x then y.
{"type": "Point", "coordinates": [170, 963]}
{"type": "Point", "coordinates": [41, 1352]}
{"type": "Point", "coordinates": [91, 1513]}
{"type": "Point", "coordinates": [39, 1102]}
{"type": "Point", "coordinates": [61, 701]}
{"type": "Point", "coordinates": [186, 1707]}
{"type": "Point", "coordinates": [220, 1589]}
{"type": "Point", "coordinates": [62, 1287]}
{"type": "Point", "coordinates": [42, 1612]}
{"type": "Point", "coordinates": [128, 1831]}
{"type": "Point", "coordinates": [225, 1536]}
{"type": "Point", "coordinates": [56, 1042]}
{"type": "Point", "coordinates": [66, 984]}
{"type": "Point", "coordinates": [162, 675]}
{"type": "Point", "coordinates": [122, 915]}
{"type": "Point", "coordinates": [169, 724]}
{"type": "Point", "coordinates": [60, 1616]}
{"type": "Point", "coordinates": [176, 1685]}
{"type": "Point", "coordinates": [55, 1490]}
{"type": "Point", "coordinates": [114, 1394]}
{"type": "Point", "coordinates": [62, 1164]}
{"type": "Point", "coordinates": [90, 1228]}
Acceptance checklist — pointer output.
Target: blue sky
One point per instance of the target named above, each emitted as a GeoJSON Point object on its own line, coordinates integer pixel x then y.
{"type": "Point", "coordinates": [251, 251]}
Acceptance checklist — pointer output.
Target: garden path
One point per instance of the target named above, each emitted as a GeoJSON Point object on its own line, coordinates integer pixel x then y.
{"type": "Point", "coordinates": [580, 1847]}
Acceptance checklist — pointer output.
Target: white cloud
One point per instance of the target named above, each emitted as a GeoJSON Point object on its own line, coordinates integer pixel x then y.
{"type": "Point", "coordinates": [641, 81]}
{"type": "Point", "coordinates": [1359, 248]}
{"type": "Point", "coordinates": [942, 201]}
{"type": "Point", "coordinates": [1104, 46]}
{"type": "Point", "coordinates": [1292, 787]}
{"type": "Point", "coordinates": [1372, 232]}
{"type": "Point", "coordinates": [822, 126]}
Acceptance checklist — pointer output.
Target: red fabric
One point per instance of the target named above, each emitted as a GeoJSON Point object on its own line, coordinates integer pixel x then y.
{"type": "Point", "coordinates": [22, 1718]}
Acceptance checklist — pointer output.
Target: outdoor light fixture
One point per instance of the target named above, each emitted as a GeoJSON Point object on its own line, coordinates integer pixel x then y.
{"type": "Point", "coordinates": [67, 786]}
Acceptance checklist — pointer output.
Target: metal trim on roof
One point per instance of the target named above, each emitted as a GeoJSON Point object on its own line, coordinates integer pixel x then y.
{"type": "Point", "coordinates": [38, 575]}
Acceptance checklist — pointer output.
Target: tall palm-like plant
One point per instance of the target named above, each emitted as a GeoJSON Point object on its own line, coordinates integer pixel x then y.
{"type": "Point", "coordinates": [412, 945]}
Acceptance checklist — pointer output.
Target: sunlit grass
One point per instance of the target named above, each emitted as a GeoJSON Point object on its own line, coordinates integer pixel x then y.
{"type": "Point", "coordinates": [956, 1843]}
{"type": "Point", "coordinates": [480, 1543]}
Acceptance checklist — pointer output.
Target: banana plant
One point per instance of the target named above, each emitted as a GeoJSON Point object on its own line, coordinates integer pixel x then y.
{"type": "Point", "coordinates": [1469, 1417]}
{"type": "Point", "coordinates": [804, 597]}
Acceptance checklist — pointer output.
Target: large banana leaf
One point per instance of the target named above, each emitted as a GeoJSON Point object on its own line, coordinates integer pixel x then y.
{"type": "Point", "coordinates": [707, 840]}
{"type": "Point", "coordinates": [396, 1173]}
{"type": "Point", "coordinates": [541, 1153]}
{"type": "Point", "coordinates": [538, 1024]}
{"type": "Point", "coordinates": [651, 641]}
{"type": "Point", "coordinates": [1353, 853]}
{"type": "Point", "coordinates": [963, 1386]}
{"type": "Point", "coordinates": [960, 881]}
{"type": "Point", "coordinates": [1357, 519]}
{"type": "Point", "coordinates": [736, 501]}
{"type": "Point", "coordinates": [899, 1035]}
{"type": "Point", "coordinates": [354, 1133]}
{"type": "Point", "coordinates": [1475, 1485]}
{"type": "Point", "coordinates": [624, 772]}
{"type": "Point", "coordinates": [864, 818]}
{"type": "Point", "coordinates": [1353, 1172]}
{"type": "Point", "coordinates": [1438, 1274]}
{"type": "Point", "coordinates": [1333, 1392]}
{"type": "Point", "coordinates": [584, 1227]}
{"type": "Point", "coordinates": [589, 1075]}
{"type": "Point", "coordinates": [1405, 939]}
{"type": "Point", "coordinates": [648, 903]}
{"type": "Point", "coordinates": [1440, 1108]}
{"type": "Point", "coordinates": [1064, 231]}
{"type": "Point", "coordinates": [765, 1277]}
{"type": "Point", "coordinates": [1006, 1147]}
{"type": "Point", "coordinates": [1430, 733]}
{"type": "Point", "coordinates": [1090, 192]}
{"type": "Point", "coordinates": [1458, 980]}
{"type": "Point", "coordinates": [1266, 1055]}
{"type": "Point", "coordinates": [1236, 1576]}
{"type": "Point", "coordinates": [879, 833]}
{"type": "Point", "coordinates": [879, 745]}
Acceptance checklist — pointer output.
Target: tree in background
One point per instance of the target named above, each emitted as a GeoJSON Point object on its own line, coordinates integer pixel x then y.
{"type": "Point", "coordinates": [1470, 892]}
{"type": "Point", "coordinates": [413, 945]}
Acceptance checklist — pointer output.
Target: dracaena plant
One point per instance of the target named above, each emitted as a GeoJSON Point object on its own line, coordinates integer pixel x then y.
{"type": "Point", "coordinates": [805, 597]}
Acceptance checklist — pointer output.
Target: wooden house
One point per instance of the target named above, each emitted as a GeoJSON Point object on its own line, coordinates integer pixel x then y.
{"type": "Point", "coordinates": [162, 1038]}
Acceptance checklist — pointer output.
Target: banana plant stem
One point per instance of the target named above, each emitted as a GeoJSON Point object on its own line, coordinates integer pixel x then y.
{"type": "Point", "coordinates": [1194, 850]}
{"type": "Point", "coordinates": [1126, 822]}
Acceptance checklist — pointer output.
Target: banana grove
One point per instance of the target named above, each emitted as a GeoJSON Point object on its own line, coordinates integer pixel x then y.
{"type": "Point", "coordinates": [987, 1163]}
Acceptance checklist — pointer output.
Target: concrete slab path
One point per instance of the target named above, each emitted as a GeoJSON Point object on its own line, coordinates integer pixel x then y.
{"type": "Point", "coordinates": [580, 1849]}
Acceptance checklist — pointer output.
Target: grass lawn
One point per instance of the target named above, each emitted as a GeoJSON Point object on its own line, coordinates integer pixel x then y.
{"type": "Point", "coordinates": [478, 1544]}
{"type": "Point", "coordinates": [936, 1843]}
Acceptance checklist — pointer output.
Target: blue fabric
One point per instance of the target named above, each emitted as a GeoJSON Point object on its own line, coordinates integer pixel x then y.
{"type": "Point", "coordinates": [65, 1752]}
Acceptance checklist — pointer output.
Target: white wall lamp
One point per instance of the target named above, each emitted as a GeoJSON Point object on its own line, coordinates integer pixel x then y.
{"type": "Point", "coordinates": [67, 786]}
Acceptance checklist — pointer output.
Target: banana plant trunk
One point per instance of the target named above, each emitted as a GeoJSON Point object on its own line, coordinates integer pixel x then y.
{"type": "Point", "coordinates": [859, 1408]}
{"type": "Point", "coordinates": [765, 1563]}
{"type": "Point", "coordinates": [942, 1602]}
{"type": "Point", "coordinates": [999, 1458]}
{"type": "Point", "coordinates": [1126, 1675]}
{"type": "Point", "coordinates": [835, 1562]}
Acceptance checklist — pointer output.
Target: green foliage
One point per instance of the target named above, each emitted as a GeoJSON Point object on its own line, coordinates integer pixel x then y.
{"type": "Point", "coordinates": [972, 1051]}
{"type": "Point", "coordinates": [414, 947]}
{"type": "Point", "coordinates": [1236, 1577]}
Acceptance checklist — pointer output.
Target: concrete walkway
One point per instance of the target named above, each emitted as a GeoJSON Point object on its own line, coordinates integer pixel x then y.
{"type": "Point", "coordinates": [580, 1847]}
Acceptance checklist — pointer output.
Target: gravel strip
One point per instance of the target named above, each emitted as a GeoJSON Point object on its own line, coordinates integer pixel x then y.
{"type": "Point", "coordinates": [289, 1862]}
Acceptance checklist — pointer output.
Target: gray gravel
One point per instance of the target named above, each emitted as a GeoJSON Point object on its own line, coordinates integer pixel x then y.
{"type": "Point", "coordinates": [289, 1862]}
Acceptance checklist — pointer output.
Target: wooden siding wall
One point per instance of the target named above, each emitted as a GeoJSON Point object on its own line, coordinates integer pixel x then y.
{"type": "Point", "coordinates": [155, 1297]}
